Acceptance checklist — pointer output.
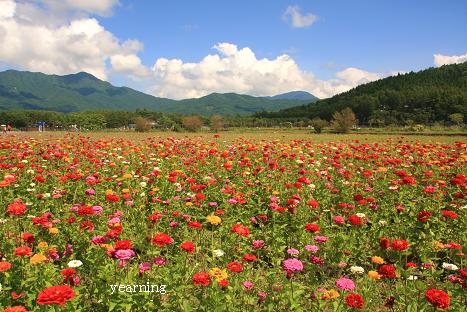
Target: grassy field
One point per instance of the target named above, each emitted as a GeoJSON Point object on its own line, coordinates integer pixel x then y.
{"type": "Point", "coordinates": [282, 135]}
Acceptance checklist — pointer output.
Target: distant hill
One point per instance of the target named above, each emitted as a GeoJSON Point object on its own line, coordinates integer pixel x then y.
{"type": "Point", "coordinates": [83, 91]}
{"type": "Point", "coordinates": [423, 97]}
{"type": "Point", "coordinates": [294, 95]}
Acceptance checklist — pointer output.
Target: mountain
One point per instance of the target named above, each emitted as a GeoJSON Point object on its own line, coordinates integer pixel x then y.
{"type": "Point", "coordinates": [83, 91]}
{"type": "Point", "coordinates": [294, 95]}
{"type": "Point", "coordinates": [424, 97]}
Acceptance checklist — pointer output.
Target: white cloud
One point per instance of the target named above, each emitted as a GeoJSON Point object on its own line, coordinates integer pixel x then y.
{"type": "Point", "coordinates": [440, 59]}
{"type": "Point", "coordinates": [59, 37]}
{"type": "Point", "coordinates": [293, 16]}
{"type": "Point", "coordinates": [7, 9]}
{"type": "Point", "coordinates": [238, 70]}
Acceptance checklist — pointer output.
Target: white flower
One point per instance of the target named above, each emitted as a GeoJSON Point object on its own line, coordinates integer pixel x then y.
{"type": "Point", "coordinates": [382, 222]}
{"type": "Point", "coordinates": [218, 252]}
{"type": "Point", "coordinates": [357, 269]}
{"type": "Point", "coordinates": [412, 278]}
{"type": "Point", "coordinates": [361, 215]}
{"type": "Point", "coordinates": [143, 184]}
{"type": "Point", "coordinates": [450, 266]}
{"type": "Point", "coordinates": [75, 264]}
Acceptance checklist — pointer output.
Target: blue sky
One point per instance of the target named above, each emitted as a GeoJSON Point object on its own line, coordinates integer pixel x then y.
{"type": "Point", "coordinates": [374, 35]}
{"type": "Point", "coordinates": [221, 46]}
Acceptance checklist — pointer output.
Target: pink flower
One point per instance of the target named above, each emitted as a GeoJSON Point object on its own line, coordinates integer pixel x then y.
{"type": "Point", "coordinates": [90, 192]}
{"type": "Point", "coordinates": [345, 283]}
{"type": "Point", "coordinates": [248, 284]}
{"type": "Point", "coordinates": [124, 254]}
{"type": "Point", "coordinates": [293, 251]}
{"type": "Point", "coordinates": [232, 201]}
{"type": "Point", "coordinates": [160, 261]}
{"type": "Point", "coordinates": [321, 239]}
{"type": "Point", "coordinates": [342, 264]}
{"type": "Point", "coordinates": [257, 244]}
{"type": "Point", "coordinates": [338, 220]}
{"type": "Point", "coordinates": [311, 248]}
{"type": "Point", "coordinates": [96, 240]}
{"type": "Point", "coordinates": [97, 209]}
{"type": "Point", "coordinates": [212, 204]}
{"type": "Point", "coordinates": [173, 224]}
{"type": "Point", "coordinates": [144, 266]}
{"type": "Point", "coordinates": [291, 265]}
{"type": "Point", "coordinates": [316, 260]}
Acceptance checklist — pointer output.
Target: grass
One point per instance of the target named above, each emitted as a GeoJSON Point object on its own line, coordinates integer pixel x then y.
{"type": "Point", "coordinates": [280, 135]}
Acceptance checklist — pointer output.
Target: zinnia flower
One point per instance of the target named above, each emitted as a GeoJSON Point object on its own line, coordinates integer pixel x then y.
{"type": "Point", "coordinates": [345, 283]}
{"type": "Point", "coordinates": [201, 278]}
{"type": "Point", "coordinates": [162, 239]}
{"type": "Point", "coordinates": [354, 301]}
{"type": "Point", "coordinates": [56, 295]}
{"type": "Point", "coordinates": [438, 298]}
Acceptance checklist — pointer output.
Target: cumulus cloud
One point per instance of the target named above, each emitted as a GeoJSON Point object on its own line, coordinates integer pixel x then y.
{"type": "Point", "coordinates": [295, 18]}
{"type": "Point", "coordinates": [441, 60]}
{"type": "Point", "coordinates": [69, 42]}
{"type": "Point", "coordinates": [234, 69]}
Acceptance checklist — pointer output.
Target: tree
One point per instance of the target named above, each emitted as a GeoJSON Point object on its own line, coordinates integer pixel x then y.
{"type": "Point", "coordinates": [217, 122]}
{"type": "Point", "coordinates": [457, 118]}
{"type": "Point", "coordinates": [142, 124]}
{"type": "Point", "coordinates": [318, 124]}
{"type": "Point", "coordinates": [344, 120]}
{"type": "Point", "coordinates": [192, 123]}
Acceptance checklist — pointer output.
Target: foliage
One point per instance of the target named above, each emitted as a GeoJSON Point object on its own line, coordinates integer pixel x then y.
{"type": "Point", "coordinates": [192, 123]}
{"type": "Point", "coordinates": [344, 120]}
{"type": "Point", "coordinates": [142, 124]}
{"type": "Point", "coordinates": [217, 122]}
{"type": "Point", "coordinates": [318, 124]}
{"type": "Point", "coordinates": [424, 97]}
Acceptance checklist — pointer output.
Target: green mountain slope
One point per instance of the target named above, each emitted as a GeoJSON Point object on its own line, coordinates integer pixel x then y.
{"type": "Point", "coordinates": [424, 97]}
{"type": "Point", "coordinates": [82, 91]}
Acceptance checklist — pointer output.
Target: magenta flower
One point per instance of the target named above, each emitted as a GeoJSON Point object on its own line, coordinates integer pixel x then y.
{"type": "Point", "coordinates": [321, 239]}
{"type": "Point", "coordinates": [293, 251]}
{"type": "Point", "coordinates": [257, 244]}
{"type": "Point", "coordinates": [345, 283]}
{"type": "Point", "coordinates": [248, 284]}
{"type": "Point", "coordinates": [311, 248]}
{"type": "Point", "coordinates": [292, 265]}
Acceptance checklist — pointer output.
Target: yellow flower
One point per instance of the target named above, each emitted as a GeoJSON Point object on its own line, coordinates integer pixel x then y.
{"type": "Point", "coordinates": [109, 192]}
{"type": "Point", "coordinates": [155, 189]}
{"type": "Point", "coordinates": [37, 258]}
{"type": "Point", "coordinates": [438, 245]}
{"type": "Point", "coordinates": [214, 220]}
{"type": "Point", "coordinates": [42, 245]}
{"type": "Point", "coordinates": [189, 204]}
{"type": "Point", "coordinates": [377, 260]}
{"type": "Point", "coordinates": [53, 231]}
{"type": "Point", "coordinates": [330, 294]}
{"type": "Point", "coordinates": [127, 176]}
{"type": "Point", "coordinates": [106, 246]}
{"type": "Point", "coordinates": [276, 193]}
{"type": "Point", "coordinates": [373, 275]}
{"type": "Point", "coordinates": [218, 274]}
{"type": "Point", "coordinates": [125, 190]}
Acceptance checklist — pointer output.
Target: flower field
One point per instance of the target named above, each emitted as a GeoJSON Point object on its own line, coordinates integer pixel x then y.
{"type": "Point", "coordinates": [208, 224]}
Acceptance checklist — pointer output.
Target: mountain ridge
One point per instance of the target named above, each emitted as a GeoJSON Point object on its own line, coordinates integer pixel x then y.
{"type": "Point", "coordinates": [83, 91]}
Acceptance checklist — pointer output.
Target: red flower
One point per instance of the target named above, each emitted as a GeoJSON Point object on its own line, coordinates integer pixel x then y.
{"type": "Point", "coordinates": [4, 266]}
{"type": "Point", "coordinates": [409, 180]}
{"type": "Point", "coordinates": [224, 283]}
{"type": "Point", "coordinates": [195, 224]}
{"type": "Point", "coordinates": [235, 267]}
{"type": "Point", "coordinates": [438, 298]}
{"type": "Point", "coordinates": [56, 295]}
{"type": "Point", "coordinates": [354, 301]}
{"type": "Point", "coordinates": [355, 220]}
{"type": "Point", "coordinates": [311, 227]}
{"type": "Point", "coordinates": [23, 251]}
{"type": "Point", "coordinates": [449, 214]}
{"type": "Point", "coordinates": [16, 209]}
{"type": "Point", "coordinates": [387, 271]}
{"type": "Point", "coordinates": [15, 309]}
{"type": "Point", "coordinates": [28, 238]}
{"type": "Point", "coordinates": [384, 243]}
{"type": "Point", "coordinates": [162, 239]}
{"type": "Point", "coordinates": [400, 244]}
{"type": "Point", "coordinates": [123, 244]}
{"type": "Point", "coordinates": [249, 257]}
{"type": "Point", "coordinates": [241, 230]}
{"type": "Point", "coordinates": [410, 265]}
{"type": "Point", "coordinates": [201, 278]}
{"type": "Point", "coordinates": [424, 216]}
{"type": "Point", "coordinates": [188, 247]}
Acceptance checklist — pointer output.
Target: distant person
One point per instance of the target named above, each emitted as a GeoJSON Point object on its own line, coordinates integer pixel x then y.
{"type": "Point", "coordinates": [3, 129]}
{"type": "Point", "coordinates": [9, 128]}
